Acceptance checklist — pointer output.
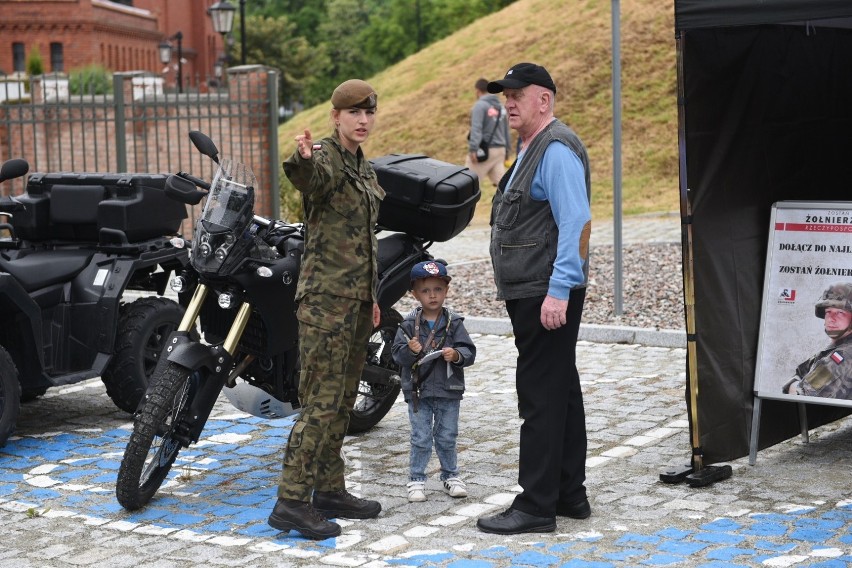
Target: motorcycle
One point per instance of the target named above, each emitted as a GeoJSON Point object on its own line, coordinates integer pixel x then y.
{"type": "Point", "coordinates": [73, 245]}
{"type": "Point", "coordinates": [240, 290]}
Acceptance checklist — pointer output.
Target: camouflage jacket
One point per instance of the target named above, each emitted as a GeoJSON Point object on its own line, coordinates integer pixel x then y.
{"type": "Point", "coordinates": [829, 372]}
{"type": "Point", "coordinates": [341, 198]}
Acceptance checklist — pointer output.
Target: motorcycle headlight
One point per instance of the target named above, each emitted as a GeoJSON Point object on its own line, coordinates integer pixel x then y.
{"type": "Point", "coordinates": [225, 301]}
{"type": "Point", "coordinates": [264, 271]}
{"type": "Point", "coordinates": [179, 284]}
{"type": "Point", "coordinates": [178, 242]}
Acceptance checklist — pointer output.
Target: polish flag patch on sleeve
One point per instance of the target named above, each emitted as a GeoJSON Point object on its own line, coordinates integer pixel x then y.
{"type": "Point", "coordinates": [837, 357]}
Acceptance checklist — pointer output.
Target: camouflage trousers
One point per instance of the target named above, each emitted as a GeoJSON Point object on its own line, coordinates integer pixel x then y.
{"type": "Point", "coordinates": [333, 335]}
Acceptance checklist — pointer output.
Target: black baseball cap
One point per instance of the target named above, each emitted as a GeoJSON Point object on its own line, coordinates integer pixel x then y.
{"type": "Point", "coordinates": [521, 75]}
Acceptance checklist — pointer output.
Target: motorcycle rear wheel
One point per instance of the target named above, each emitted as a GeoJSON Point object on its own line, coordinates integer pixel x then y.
{"type": "Point", "coordinates": [143, 328]}
{"type": "Point", "coordinates": [10, 396]}
{"type": "Point", "coordinates": [376, 399]}
{"type": "Point", "coordinates": [153, 445]}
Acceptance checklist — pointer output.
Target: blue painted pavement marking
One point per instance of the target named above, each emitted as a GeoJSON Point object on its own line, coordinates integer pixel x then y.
{"type": "Point", "coordinates": [223, 488]}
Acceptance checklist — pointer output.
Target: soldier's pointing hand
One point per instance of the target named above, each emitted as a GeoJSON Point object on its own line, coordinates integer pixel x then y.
{"type": "Point", "coordinates": [305, 144]}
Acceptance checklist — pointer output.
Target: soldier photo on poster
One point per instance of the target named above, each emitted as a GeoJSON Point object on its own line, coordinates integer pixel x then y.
{"type": "Point", "coordinates": [805, 345]}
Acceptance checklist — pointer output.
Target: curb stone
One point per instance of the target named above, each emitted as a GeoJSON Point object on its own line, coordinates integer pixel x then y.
{"type": "Point", "coordinates": [591, 332]}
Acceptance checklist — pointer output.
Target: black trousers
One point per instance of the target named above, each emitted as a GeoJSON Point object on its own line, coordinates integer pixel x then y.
{"type": "Point", "coordinates": [552, 461]}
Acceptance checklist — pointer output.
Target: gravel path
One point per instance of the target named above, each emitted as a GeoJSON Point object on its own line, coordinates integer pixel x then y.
{"type": "Point", "coordinates": [652, 284]}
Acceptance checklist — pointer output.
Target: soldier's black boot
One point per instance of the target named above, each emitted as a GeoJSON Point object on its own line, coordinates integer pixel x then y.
{"type": "Point", "coordinates": [343, 505]}
{"type": "Point", "coordinates": [301, 516]}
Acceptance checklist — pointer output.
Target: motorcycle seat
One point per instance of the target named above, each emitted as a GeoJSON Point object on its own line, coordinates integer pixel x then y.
{"type": "Point", "coordinates": [40, 269]}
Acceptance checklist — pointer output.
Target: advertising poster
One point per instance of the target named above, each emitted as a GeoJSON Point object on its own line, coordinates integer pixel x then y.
{"type": "Point", "coordinates": [805, 345]}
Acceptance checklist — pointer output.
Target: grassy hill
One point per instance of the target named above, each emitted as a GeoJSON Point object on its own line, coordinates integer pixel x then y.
{"type": "Point", "coordinates": [425, 100]}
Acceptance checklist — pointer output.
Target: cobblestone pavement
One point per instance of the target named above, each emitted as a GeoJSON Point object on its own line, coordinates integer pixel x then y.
{"type": "Point", "coordinates": [793, 508]}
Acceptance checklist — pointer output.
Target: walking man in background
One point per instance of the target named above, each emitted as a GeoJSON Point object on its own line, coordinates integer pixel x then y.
{"type": "Point", "coordinates": [541, 224]}
{"type": "Point", "coordinates": [489, 129]}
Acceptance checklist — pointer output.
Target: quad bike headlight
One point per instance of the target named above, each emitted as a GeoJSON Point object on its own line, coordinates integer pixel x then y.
{"type": "Point", "coordinates": [179, 284]}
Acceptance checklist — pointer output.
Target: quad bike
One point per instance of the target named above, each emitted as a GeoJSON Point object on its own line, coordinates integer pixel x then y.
{"type": "Point", "coordinates": [72, 246]}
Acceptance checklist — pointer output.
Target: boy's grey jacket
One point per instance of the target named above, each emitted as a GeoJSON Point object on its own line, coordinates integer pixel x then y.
{"type": "Point", "coordinates": [434, 383]}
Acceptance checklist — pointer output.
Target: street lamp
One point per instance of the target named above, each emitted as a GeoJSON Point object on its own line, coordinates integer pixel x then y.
{"type": "Point", "coordinates": [222, 13]}
{"type": "Point", "coordinates": [166, 56]}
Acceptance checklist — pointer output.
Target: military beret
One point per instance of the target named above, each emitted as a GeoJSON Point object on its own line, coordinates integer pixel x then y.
{"type": "Point", "coordinates": [354, 93]}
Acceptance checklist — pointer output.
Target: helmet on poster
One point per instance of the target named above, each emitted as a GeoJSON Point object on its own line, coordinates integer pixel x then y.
{"type": "Point", "coordinates": [835, 296]}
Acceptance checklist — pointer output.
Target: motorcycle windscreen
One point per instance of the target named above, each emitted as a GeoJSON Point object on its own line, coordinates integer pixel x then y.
{"type": "Point", "coordinates": [227, 214]}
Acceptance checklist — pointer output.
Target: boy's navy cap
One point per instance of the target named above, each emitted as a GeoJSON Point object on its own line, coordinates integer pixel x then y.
{"type": "Point", "coordinates": [429, 269]}
{"type": "Point", "coordinates": [521, 75]}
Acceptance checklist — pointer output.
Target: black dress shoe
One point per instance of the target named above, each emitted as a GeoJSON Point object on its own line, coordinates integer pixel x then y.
{"type": "Point", "coordinates": [301, 516]}
{"type": "Point", "coordinates": [577, 510]}
{"type": "Point", "coordinates": [343, 505]}
{"type": "Point", "coordinates": [513, 521]}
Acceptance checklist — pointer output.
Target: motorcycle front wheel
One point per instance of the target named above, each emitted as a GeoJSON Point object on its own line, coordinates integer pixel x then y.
{"type": "Point", "coordinates": [375, 399]}
{"type": "Point", "coordinates": [154, 443]}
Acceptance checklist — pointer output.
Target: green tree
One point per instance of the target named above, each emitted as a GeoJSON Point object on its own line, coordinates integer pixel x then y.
{"type": "Point", "coordinates": [399, 28]}
{"type": "Point", "coordinates": [35, 64]}
{"type": "Point", "coordinates": [341, 41]}
{"type": "Point", "coordinates": [306, 14]}
{"type": "Point", "coordinates": [354, 38]}
{"type": "Point", "coordinates": [273, 42]}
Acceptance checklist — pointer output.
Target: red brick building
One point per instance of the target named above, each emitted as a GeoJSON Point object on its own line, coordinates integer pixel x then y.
{"type": "Point", "coordinates": [120, 35]}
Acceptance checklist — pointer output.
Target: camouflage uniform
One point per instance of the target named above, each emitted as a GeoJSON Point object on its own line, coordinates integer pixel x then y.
{"type": "Point", "coordinates": [336, 292]}
{"type": "Point", "coordinates": [828, 373]}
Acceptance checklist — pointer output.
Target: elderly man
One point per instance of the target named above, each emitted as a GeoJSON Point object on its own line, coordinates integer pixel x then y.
{"type": "Point", "coordinates": [541, 224]}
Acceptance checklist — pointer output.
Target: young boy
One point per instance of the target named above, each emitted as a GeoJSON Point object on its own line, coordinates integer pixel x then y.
{"type": "Point", "coordinates": [432, 346]}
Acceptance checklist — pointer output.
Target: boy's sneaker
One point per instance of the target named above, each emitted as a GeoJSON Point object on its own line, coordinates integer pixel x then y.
{"type": "Point", "coordinates": [416, 491]}
{"type": "Point", "coordinates": [455, 487]}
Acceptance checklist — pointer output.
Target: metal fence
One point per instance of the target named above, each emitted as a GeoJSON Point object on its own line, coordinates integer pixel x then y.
{"type": "Point", "coordinates": [140, 128]}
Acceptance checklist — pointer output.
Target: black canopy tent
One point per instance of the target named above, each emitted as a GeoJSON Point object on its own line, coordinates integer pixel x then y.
{"type": "Point", "coordinates": [765, 95]}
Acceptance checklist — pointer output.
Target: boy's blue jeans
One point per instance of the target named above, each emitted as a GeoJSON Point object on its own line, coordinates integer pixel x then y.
{"type": "Point", "coordinates": [436, 419]}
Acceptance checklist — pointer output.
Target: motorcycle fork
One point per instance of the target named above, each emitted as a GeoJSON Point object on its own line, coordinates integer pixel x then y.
{"type": "Point", "coordinates": [232, 340]}
{"type": "Point", "coordinates": [212, 384]}
{"type": "Point", "coordinates": [190, 316]}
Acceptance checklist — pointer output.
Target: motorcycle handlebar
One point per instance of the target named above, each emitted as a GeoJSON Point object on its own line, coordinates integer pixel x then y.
{"type": "Point", "coordinates": [197, 181]}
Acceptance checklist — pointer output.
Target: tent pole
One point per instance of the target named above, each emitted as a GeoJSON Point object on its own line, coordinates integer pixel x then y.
{"type": "Point", "coordinates": [618, 293]}
{"type": "Point", "coordinates": [700, 474]}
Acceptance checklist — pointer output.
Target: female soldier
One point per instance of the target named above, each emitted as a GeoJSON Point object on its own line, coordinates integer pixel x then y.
{"type": "Point", "coordinates": [337, 312]}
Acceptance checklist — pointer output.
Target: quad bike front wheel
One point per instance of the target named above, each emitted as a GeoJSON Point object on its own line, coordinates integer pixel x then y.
{"type": "Point", "coordinates": [375, 399]}
{"type": "Point", "coordinates": [157, 438]}
{"type": "Point", "coordinates": [143, 328]}
{"type": "Point", "coordinates": [10, 396]}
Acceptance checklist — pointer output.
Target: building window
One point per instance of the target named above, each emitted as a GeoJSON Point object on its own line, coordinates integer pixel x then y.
{"type": "Point", "coordinates": [19, 57]}
{"type": "Point", "coordinates": [57, 61]}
